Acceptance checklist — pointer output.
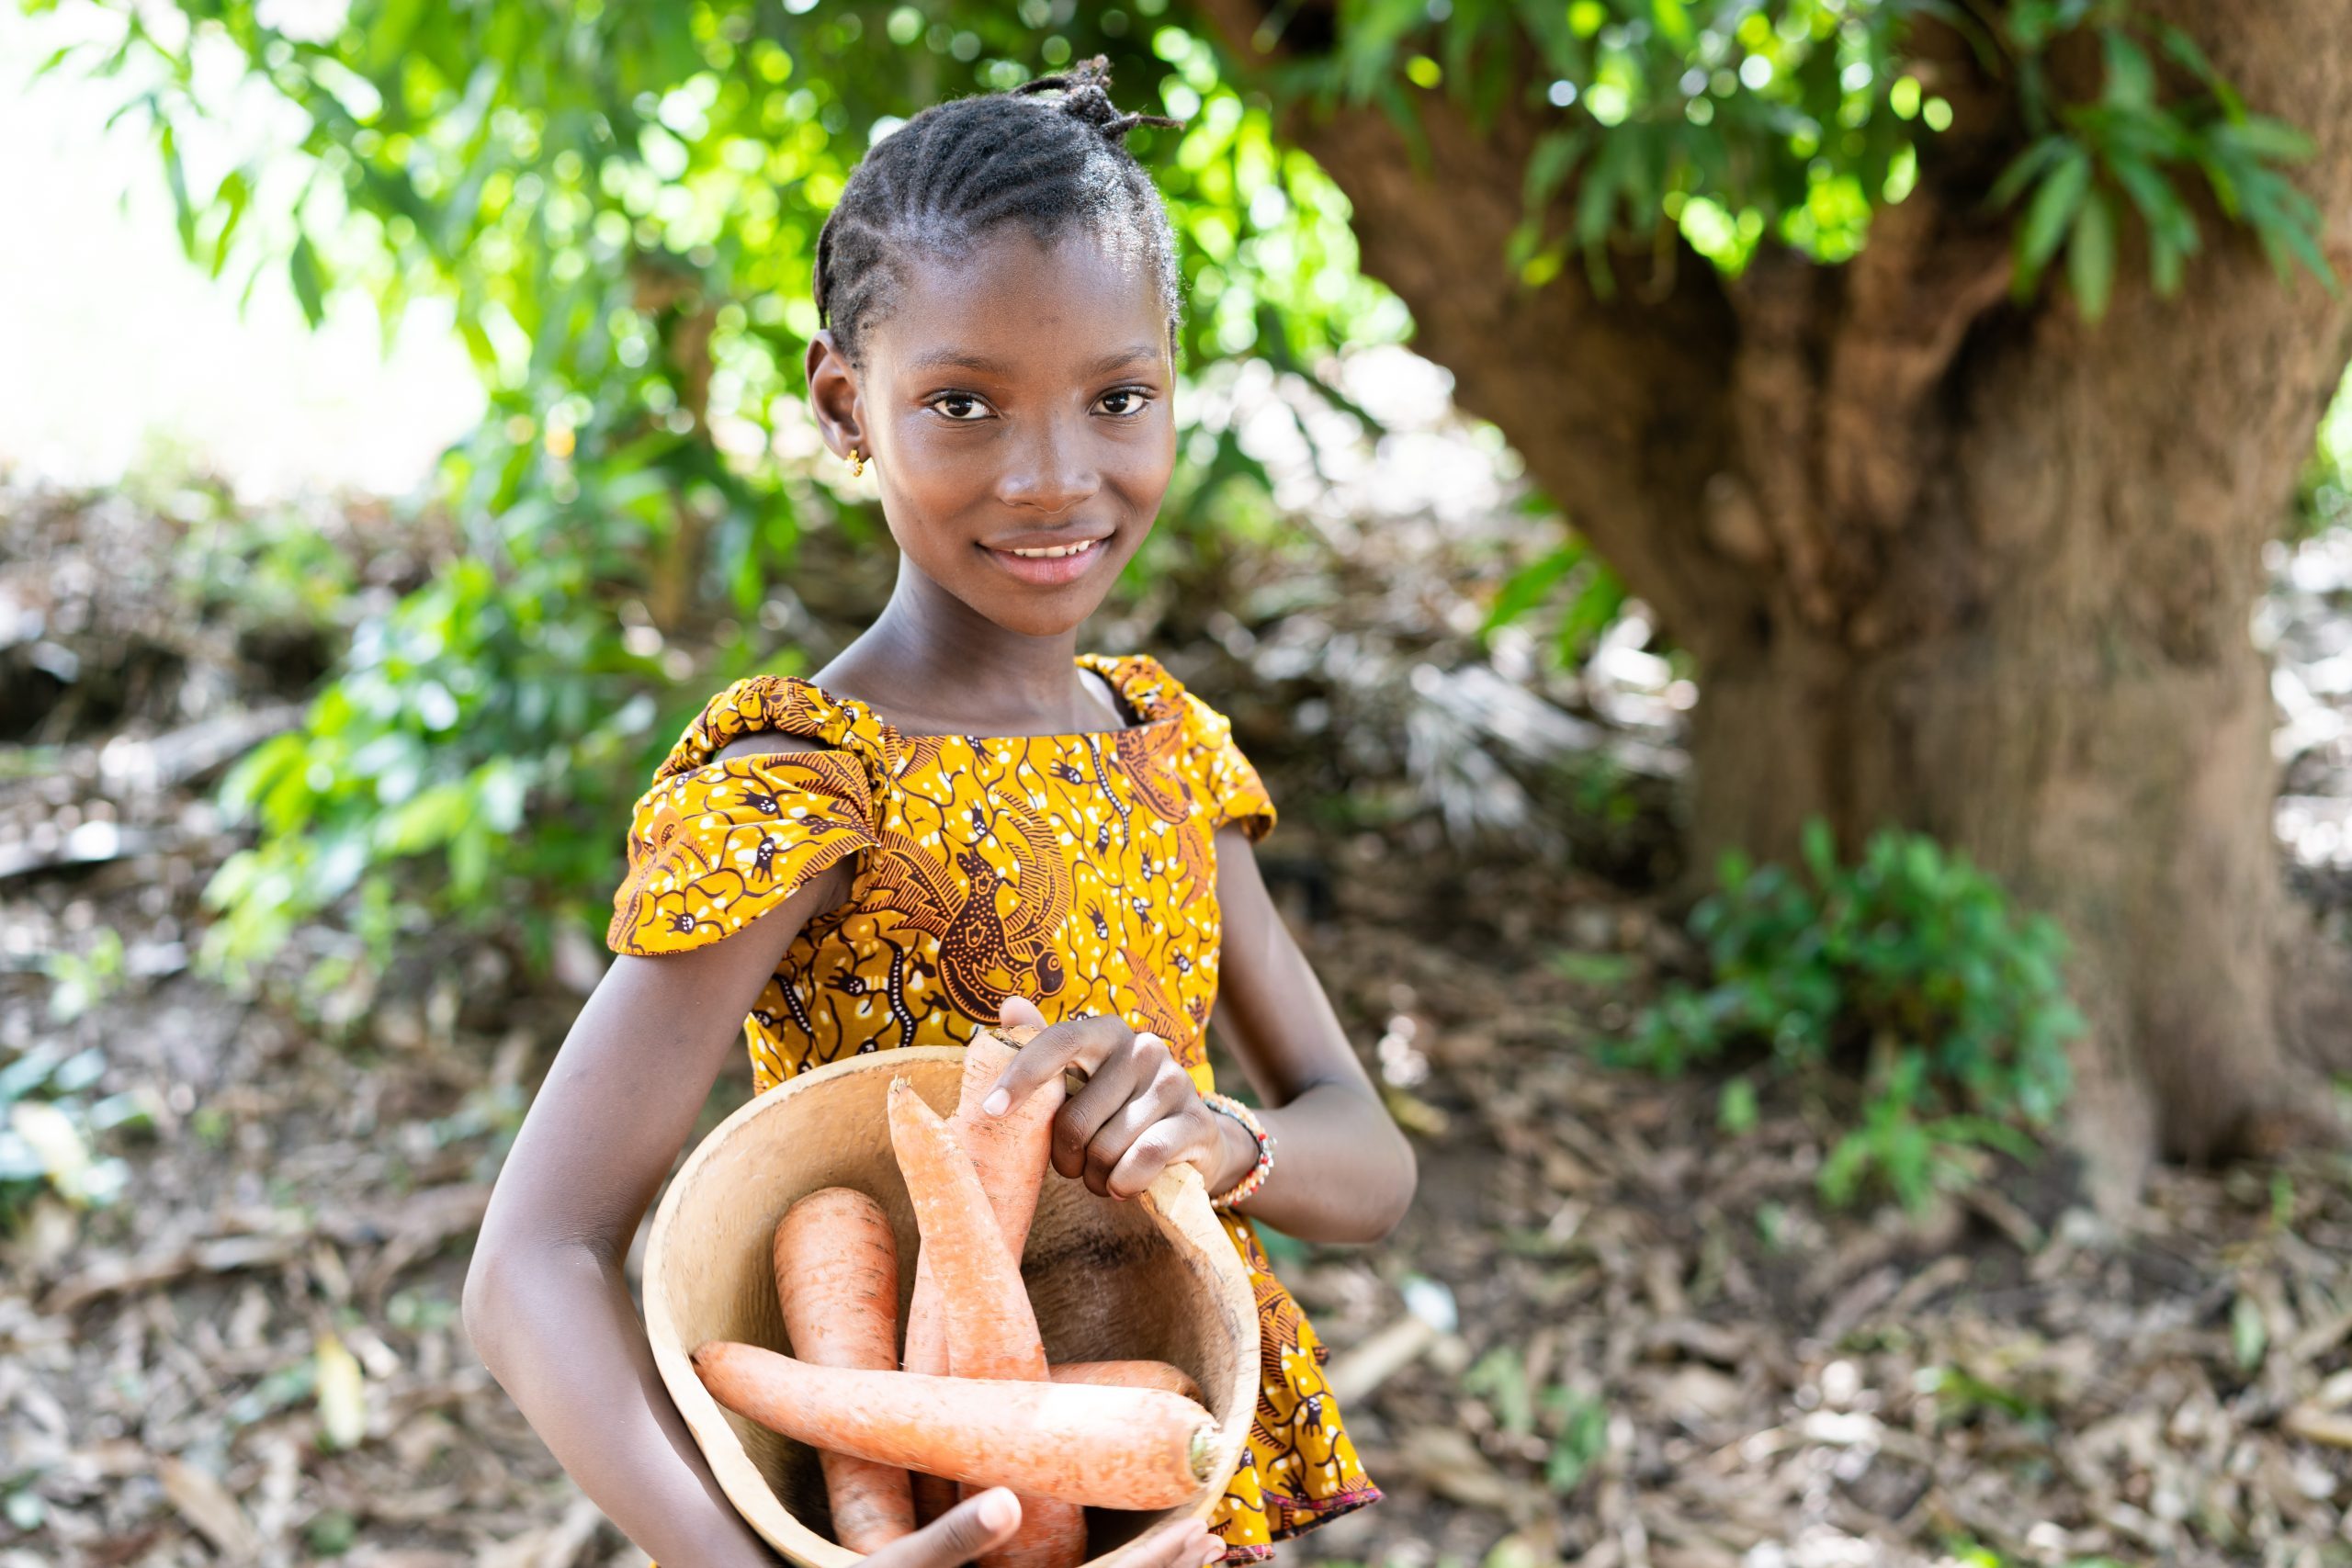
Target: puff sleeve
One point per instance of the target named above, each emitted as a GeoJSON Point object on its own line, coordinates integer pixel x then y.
{"type": "Point", "coordinates": [712, 849]}
{"type": "Point", "coordinates": [1234, 791]}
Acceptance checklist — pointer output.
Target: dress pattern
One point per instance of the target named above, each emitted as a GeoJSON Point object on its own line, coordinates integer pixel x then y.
{"type": "Point", "coordinates": [1076, 869]}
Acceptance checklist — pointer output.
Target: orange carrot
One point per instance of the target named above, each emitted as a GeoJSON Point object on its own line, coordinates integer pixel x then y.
{"type": "Point", "coordinates": [991, 1332]}
{"type": "Point", "coordinates": [1102, 1448]}
{"type": "Point", "coordinates": [1009, 1153]}
{"type": "Point", "coordinates": [1129, 1374]}
{"type": "Point", "coordinates": [837, 1275]}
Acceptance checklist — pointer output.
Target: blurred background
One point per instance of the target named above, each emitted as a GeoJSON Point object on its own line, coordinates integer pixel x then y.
{"type": "Point", "coordinates": [1785, 561]}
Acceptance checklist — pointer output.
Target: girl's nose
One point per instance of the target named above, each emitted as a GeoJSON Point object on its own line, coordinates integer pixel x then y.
{"type": "Point", "coordinates": [1051, 472]}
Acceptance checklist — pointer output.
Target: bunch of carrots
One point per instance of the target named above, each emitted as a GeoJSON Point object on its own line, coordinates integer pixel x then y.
{"type": "Point", "coordinates": [974, 1400]}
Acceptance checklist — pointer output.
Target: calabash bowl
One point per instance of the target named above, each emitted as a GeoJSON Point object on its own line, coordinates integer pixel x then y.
{"type": "Point", "coordinates": [1155, 1277]}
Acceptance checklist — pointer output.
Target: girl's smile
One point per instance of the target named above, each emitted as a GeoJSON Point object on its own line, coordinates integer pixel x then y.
{"type": "Point", "coordinates": [1048, 565]}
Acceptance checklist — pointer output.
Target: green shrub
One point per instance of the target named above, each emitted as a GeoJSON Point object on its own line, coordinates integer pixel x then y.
{"type": "Point", "coordinates": [1913, 961]}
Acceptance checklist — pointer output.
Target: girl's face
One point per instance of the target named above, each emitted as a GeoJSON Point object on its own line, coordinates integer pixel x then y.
{"type": "Point", "coordinates": [1015, 403]}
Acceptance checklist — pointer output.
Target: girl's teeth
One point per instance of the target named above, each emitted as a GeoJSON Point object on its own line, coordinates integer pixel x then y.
{"type": "Point", "coordinates": [1056, 552]}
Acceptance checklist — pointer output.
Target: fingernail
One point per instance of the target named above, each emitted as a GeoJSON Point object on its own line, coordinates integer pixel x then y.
{"type": "Point", "coordinates": [998, 1104]}
{"type": "Point", "coordinates": [1213, 1553]}
{"type": "Point", "coordinates": [999, 1512]}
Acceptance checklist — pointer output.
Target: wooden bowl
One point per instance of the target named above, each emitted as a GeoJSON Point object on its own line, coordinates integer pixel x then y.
{"type": "Point", "coordinates": [1155, 1277]}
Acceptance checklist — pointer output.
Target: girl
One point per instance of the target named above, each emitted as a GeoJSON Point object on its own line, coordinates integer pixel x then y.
{"type": "Point", "coordinates": [959, 822]}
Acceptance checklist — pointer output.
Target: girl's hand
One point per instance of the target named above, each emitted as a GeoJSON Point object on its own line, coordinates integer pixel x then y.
{"type": "Point", "coordinates": [987, 1521]}
{"type": "Point", "coordinates": [1137, 1115]}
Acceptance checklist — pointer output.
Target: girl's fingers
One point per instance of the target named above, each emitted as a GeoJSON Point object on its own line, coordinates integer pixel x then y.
{"type": "Point", "coordinates": [1084, 1115]}
{"type": "Point", "coordinates": [1019, 1012]}
{"type": "Point", "coordinates": [1184, 1544]}
{"type": "Point", "coordinates": [1081, 1043]}
{"type": "Point", "coordinates": [961, 1535]}
{"type": "Point", "coordinates": [1166, 1143]}
{"type": "Point", "coordinates": [1163, 1100]}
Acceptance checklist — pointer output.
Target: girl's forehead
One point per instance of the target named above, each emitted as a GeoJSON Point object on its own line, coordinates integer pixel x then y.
{"type": "Point", "coordinates": [1017, 302]}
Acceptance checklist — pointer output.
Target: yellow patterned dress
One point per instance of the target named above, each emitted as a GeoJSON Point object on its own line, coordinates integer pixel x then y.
{"type": "Point", "coordinates": [1076, 869]}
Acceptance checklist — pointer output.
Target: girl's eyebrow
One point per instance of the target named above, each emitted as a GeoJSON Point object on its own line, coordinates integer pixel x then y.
{"type": "Point", "coordinates": [953, 359]}
{"type": "Point", "coordinates": [964, 359]}
{"type": "Point", "coordinates": [1119, 359]}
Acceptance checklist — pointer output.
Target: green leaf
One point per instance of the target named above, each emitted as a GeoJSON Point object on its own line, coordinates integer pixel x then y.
{"type": "Point", "coordinates": [176, 178]}
{"type": "Point", "coordinates": [2273, 140]}
{"type": "Point", "coordinates": [2249, 1332]}
{"type": "Point", "coordinates": [2025, 169]}
{"type": "Point", "coordinates": [232, 199]}
{"type": "Point", "coordinates": [310, 283]}
{"type": "Point", "coordinates": [2090, 255]}
{"type": "Point", "coordinates": [1501, 1377]}
{"type": "Point", "coordinates": [1549, 165]}
{"type": "Point", "coordinates": [1820, 849]}
{"type": "Point", "coordinates": [2290, 241]}
{"type": "Point", "coordinates": [1526, 588]}
{"type": "Point", "coordinates": [2131, 78]}
{"type": "Point", "coordinates": [2189, 52]}
{"type": "Point", "coordinates": [1596, 201]}
{"type": "Point", "coordinates": [1673, 22]}
{"type": "Point", "coordinates": [1735, 1107]}
{"type": "Point", "coordinates": [2047, 217]}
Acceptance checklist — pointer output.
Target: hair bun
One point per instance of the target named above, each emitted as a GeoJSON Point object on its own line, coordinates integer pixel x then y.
{"type": "Point", "coordinates": [1086, 97]}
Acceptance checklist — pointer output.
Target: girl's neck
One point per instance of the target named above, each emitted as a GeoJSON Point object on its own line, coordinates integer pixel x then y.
{"type": "Point", "coordinates": [930, 664]}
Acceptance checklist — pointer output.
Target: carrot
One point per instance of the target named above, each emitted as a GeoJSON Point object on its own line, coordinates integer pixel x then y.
{"type": "Point", "coordinates": [1129, 1374]}
{"type": "Point", "coordinates": [1009, 1153]}
{"type": "Point", "coordinates": [1102, 1448]}
{"type": "Point", "coordinates": [837, 1275]}
{"type": "Point", "coordinates": [991, 1332]}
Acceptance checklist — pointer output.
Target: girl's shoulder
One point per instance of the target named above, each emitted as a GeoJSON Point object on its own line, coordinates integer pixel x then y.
{"type": "Point", "coordinates": [770, 786]}
{"type": "Point", "coordinates": [1154, 696]}
{"type": "Point", "coordinates": [800, 712]}
{"type": "Point", "coordinates": [1203, 739]}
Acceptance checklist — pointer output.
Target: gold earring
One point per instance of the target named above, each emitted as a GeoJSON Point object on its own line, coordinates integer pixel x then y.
{"type": "Point", "coordinates": [857, 463]}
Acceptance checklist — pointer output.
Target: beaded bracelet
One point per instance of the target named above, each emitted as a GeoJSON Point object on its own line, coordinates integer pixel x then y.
{"type": "Point", "coordinates": [1241, 1189]}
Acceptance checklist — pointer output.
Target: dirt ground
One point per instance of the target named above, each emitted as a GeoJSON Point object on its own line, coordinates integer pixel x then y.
{"type": "Point", "coordinates": [1609, 1333]}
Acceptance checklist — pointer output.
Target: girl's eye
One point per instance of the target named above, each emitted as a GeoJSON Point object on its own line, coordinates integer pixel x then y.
{"type": "Point", "coordinates": [1125, 401]}
{"type": "Point", "coordinates": [959, 406]}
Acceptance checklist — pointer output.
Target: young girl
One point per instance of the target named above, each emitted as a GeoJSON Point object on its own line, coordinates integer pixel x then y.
{"type": "Point", "coordinates": [959, 822]}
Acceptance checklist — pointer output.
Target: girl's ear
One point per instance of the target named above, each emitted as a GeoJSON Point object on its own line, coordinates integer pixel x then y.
{"type": "Point", "coordinates": [833, 397]}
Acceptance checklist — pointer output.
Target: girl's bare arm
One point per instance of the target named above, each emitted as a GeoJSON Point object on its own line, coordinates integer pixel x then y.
{"type": "Point", "coordinates": [1342, 1170]}
{"type": "Point", "coordinates": [546, 1303]}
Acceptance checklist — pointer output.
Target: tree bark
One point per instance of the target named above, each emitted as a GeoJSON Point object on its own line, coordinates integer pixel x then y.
{"type": "Point", "coordinates": [1945, 560]}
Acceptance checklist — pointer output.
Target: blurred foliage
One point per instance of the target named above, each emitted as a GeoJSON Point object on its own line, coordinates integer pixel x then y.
{"type": "Point", "coordinates": [49, 1121]}
{"type": "Point", "coordinates": [1912, 958]}
{"type": "Point", "coordinates": [2133, 150]}
{"type": "Point", "coordinates": [1795, 119]}
{"type": "Point", "coordinates": [2325, 499]}
{"type": "Point", "coordinates": [1572, 587]}
{"type": "Point", "coordinates": [1570, 1427]}
{"type": "Point", "coordinates": [623, 201]}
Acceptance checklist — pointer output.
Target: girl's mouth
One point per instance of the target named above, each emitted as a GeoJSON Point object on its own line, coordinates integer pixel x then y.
{"type": "Point", "coordinates": [1048, 566]}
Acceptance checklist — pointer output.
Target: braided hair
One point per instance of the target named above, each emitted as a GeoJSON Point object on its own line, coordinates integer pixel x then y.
{"type": "Point", "coordinates": [960, 168]}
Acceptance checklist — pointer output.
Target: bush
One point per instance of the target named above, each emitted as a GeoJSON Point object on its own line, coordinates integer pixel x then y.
{"type": "Point", "coordinates": [1913, 961]}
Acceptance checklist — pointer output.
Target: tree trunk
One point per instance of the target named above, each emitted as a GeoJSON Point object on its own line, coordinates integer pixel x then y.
{"type": "Point", "coordinates": [1944, 560]}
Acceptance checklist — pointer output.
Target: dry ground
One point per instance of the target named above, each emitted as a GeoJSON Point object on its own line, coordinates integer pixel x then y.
{"type": "Point", "coordinates": [1639, 1340]}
